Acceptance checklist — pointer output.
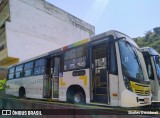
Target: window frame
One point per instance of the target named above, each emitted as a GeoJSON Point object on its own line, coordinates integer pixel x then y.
{"type": "Point", "coordinates": [86, 46]}
{"type": "Point", "coordinates": [11, 73]}
{"type": "Point", "coordinates": [44, 65]}
{"type": "Point", "coordinates": [33, 61]}
{"type": "Point", "coordinates": [21, 72]}
{"type": "Point", "coordinates": [149, 62]}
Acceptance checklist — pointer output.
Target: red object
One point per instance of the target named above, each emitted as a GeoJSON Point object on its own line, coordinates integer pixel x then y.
{"type": "Point", "coordinates": [65, 47]}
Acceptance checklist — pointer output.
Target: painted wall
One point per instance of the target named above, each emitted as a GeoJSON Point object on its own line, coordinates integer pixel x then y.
{"type": "Point", "coordinates": [3, 73]}
{"type": "Point", "coordinates": [37, 27]}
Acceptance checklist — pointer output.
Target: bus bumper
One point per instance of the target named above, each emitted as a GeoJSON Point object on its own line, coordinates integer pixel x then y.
{"type": "Point", "coordinates": [130, 99]}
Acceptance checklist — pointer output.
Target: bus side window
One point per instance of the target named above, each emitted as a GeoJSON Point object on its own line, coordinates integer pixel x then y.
{"type": "Point", "coordinates": [39, 66]}
{"type": "Point", "coordinates": [11, 73]}
{"type": "Point", "coordinates": [28, 69]}
{"type": "Point", "coordinates": [19, 70]}
{"type": "Point", "coordinates": [75, 58]}
{"type": "Point", "coordinates": [113, 59]}
{"type": "Point", "coordinates": [149, 67]}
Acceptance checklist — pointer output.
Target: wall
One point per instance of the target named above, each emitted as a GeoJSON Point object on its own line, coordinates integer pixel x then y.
{"type": "Point", "coordinates": [37, 27]}
{"type": "Point", "coordinates": [3, 73]}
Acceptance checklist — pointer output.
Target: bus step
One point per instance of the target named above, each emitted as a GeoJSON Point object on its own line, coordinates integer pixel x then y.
{"type": "Point", "coordinates": [100, 98]}
{"type": "Point", "coordinates": [101, 90]}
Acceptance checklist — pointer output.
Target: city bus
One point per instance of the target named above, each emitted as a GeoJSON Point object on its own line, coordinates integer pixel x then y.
{"type": "Point", "coordinates": [106, 69]}
{"type": "Point", "coordinates": [152, 60]}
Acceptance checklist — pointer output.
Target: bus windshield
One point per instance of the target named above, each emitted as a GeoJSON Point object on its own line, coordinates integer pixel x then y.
{"type": "Point", "coordinates": [131, 62]}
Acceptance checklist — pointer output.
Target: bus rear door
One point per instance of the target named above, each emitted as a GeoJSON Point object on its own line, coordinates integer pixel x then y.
{"type": "Point", "coordinates": [51, 78]}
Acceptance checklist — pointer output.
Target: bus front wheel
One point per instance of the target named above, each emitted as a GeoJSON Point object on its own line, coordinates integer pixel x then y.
{"type": "Point", "coordinates": [76, 95]}
{"type": "Point", "coordinates": [78, 98]}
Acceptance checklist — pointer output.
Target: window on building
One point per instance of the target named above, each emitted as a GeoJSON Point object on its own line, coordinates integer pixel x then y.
{"type": "Point", "coordinates": [39, 66]}
{"type": "Point", "coordinates": [11, 73]}
{"type": "Point", "coordinates": [19, 71]}
{"type": "Point", "coordinates": [28, 69]}
{"type": "Point", "coordinates": [75, 58]}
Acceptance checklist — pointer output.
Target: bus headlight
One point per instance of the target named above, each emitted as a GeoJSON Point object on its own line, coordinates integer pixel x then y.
{"type": "Point", "coordinates": [127, 83]}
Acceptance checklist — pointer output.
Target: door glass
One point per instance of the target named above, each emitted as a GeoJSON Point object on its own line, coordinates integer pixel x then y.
{"type": "Point", "coordinates": [56, 66]}
{"type": "Point", "coordinates": [47, 80]}
{"type": "Point", "coordinates": [56, 77]}
{"type": "Point", "coordinates": [99, 62]}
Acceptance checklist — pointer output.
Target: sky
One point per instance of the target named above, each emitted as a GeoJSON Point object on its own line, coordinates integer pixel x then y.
{"type": "Point", "coordinates": [132, 17]}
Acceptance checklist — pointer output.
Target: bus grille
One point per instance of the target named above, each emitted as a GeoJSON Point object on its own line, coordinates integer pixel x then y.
{"type": "Point", "coordinates": [140, 89]}
{"type": "Point", "coordinates": [142, 92]}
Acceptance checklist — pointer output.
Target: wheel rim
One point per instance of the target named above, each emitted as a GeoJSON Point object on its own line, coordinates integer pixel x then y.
{"type": "Point", "coordinates": [78, 97]}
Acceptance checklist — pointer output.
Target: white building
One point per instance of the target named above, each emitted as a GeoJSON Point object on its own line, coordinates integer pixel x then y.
{"type": "Point", "coordinates": [29, 28]}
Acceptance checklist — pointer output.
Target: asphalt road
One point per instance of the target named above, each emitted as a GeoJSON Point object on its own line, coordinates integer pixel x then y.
{"type": "Point", "coordinates": [50, 108]}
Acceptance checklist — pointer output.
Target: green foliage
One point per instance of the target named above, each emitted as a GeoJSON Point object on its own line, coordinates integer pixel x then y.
{"type": "Point", "coordinates": [156, 30]}
{"type": "Point", "coordinates": [2, 84]}
{"type": "Point", "coordinates": [151, 39]}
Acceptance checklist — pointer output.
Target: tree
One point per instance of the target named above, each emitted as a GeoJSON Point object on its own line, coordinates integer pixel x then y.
{"type": "Point", "coordinates": [156, 30]}
{"type": "Point", "coordinates": [151, 39]}
{"type": "Point", "coordinates": [148, 34]}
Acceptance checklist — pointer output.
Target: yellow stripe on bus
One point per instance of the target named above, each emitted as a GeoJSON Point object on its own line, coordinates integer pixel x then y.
{"type": "Point", "coordinates": [62, 83]}
{"type": "Point", "coordinates": [84, 78]}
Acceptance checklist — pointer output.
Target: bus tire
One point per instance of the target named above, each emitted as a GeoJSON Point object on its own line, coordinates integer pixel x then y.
{"type": "Point", "coordinates": [78, 98]}
{"type": "Point", "coordinates": [76, 94]}
{"type": "Point", "coordinates": [22, 92]}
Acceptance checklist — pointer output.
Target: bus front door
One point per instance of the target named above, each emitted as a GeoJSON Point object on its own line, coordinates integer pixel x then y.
{"type": "Point", "coordinates": [99, 73]}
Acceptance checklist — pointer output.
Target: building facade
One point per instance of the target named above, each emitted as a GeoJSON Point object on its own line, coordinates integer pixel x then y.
{"type": "Point", "coordinates": [3, 73]}
{"type": "Point", "coordinates": [29, 28]}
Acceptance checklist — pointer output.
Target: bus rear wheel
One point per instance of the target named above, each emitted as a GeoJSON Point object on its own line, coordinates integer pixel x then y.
{"type": "Point", "coordinates": [22, 92]}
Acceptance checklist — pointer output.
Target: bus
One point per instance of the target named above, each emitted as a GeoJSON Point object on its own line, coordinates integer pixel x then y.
{"type": "Point", "coordinates": [152, 60]}
{"type": "Point", "coordinates": [106, 69]}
